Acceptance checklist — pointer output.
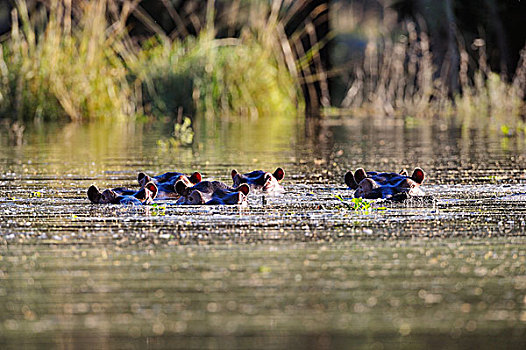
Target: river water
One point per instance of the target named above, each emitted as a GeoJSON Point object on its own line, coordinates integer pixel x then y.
{"type": "Point", "coordinates": [302, 270]}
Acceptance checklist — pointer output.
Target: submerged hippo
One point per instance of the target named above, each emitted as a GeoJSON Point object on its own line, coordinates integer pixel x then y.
{"type": "Point", "coordinates": [394, 186]}
{"type": "Point", "coordinates": [166, 182]}
{"type": "Point", "coordinates": [260, 181]}
{"type": "Point", "coordinates": [121, 195]}
{"type": "Point", "coordinates": [211, 192]}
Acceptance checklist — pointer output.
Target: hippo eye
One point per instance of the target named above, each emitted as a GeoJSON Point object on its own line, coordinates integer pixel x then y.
{"type": "Point", "coordinates": [107, 196]}
{"type": "Point", "coordinates": [261, 180]}
{"type": "Point", "coordinates": [195, 198]}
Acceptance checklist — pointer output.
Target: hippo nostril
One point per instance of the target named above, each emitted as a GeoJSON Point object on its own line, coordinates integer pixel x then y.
{"type": "Point", "coordinates": [240, 197]}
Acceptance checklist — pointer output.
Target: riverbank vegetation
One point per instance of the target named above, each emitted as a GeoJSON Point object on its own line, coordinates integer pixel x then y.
{"type": "Point", "coordinates": [53, 67]}
{"type": "Point", "coordinates": [398, 78]}
{"type": "Point", "coordinates": [70, 61]}
{"type": "Point", "coordinates": [394, 70]}
{"type": "Point", "coordinates": [85, 61]}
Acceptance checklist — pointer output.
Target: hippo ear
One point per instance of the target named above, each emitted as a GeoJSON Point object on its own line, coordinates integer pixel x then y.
{"type": "Point", "coordinates": [404, 172]}
{"type": "Point", "coordinates": [143, 179]}
{"type": "Point", "coordinates": [244, 188]}
{"type": "Point", "coordinates": [234, 173]}
{"type": "Point", "coordinates": [195, 178]}
{"type": "Point", "coordinates": [349, 180]}
{"type": "Point", "coordinates": [279, 174]}
{"type": "Point", "coordinates": [181, 188]}
{"type": "Point", "coordinates": [359, 175]}
{"type": "Point", "coordinates": [94, 194]}
{"type": "Point", "coordinates": [150, 186]}
{"type": "Point", "coordinates": [418, 176]}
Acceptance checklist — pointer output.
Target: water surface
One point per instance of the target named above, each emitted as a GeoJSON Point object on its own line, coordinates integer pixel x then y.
{"type": "Point", "coordinates": [296, 271]}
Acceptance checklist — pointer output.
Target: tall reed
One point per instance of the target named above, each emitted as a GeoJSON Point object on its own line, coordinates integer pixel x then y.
{"type": "Point", "coordinates": [69, 69]}
{"type": "Point", "coordinates": [394, 77]}
{"type": "Point", "coordinates": [246, 76]}
{"type": "Point", "coordinates": [397, 77]}
{"type": "Point", "coordinates": [487, 94]}
{"type": "Point", "coordinates": [82, 67]}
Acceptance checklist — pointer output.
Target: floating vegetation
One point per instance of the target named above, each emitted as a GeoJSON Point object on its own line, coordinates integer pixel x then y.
{"type": "Point", "coordinates": [358, 204]}
{"type": "Point", "coordinates": [158, 209]}
{"type": "Point", "coordinates": [184, 132]}
{"type": "Point", "coordinates": [183, 135]}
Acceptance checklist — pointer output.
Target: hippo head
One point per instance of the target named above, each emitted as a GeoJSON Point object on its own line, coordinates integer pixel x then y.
{"type": "Point", "coordinates": [172, 177]}
{"type": "Point", "coordinates": [374, 185]}
{"type": "Point", "coordinates": [97, 197]}
{"type": "Point", "coordinates": [147, 194]}
{"type": "Point", "coordinates": [210, 192]}
{"type": "Point", "coordinates": [144, 196]}
{"type": "Point", "coordinates": [236, 195]}
{"type": "Point", "coordinates": [368, 188]}
{"type": "Point", "coordinates": [188, 194]}
{"type": "Point", "coordinates": [105, 197]}
{"type": "Point", "coordinates": [108, 196]}
{"type": "Point", "coordinates": [260, 181]}
{"type": "Point", "coordinates": [352, 180]}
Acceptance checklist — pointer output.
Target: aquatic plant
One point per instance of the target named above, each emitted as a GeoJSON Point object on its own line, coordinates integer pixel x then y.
{"type": "Point", "coordinates": [183, 131]}
{"type": "Point", "coordinates": [158, 209]}
{"type": "Point", "coordinates": [183, 135]}
{"type": "Point", "coordinates": [35, 194]}
{"type": "Point", "coordinates": [358, 204]}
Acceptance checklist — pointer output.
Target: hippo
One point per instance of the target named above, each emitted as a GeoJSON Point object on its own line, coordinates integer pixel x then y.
{"type": "Point", "coordinates": [211, 192]}
{"type": "Point", "coordinates": [121, 195]}
{"type": "Point", "coordinates": [260, 181]}
{"type": "Point", "coordinates": [166, 182]}
{"type": "Point", "coordinates": [394, 186]}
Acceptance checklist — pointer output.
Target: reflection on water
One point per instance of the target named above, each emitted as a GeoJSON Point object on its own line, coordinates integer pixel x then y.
{"type": "Point", "coordinates": [300, 271]}
{"type": "Point", "coordinates": [94, 149]}
{"type": "Point", "coordinates": [446, 151]}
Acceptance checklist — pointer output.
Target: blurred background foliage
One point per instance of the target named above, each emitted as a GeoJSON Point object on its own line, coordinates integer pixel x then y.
{"type": "Point", "coordinates": [244, 60]}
